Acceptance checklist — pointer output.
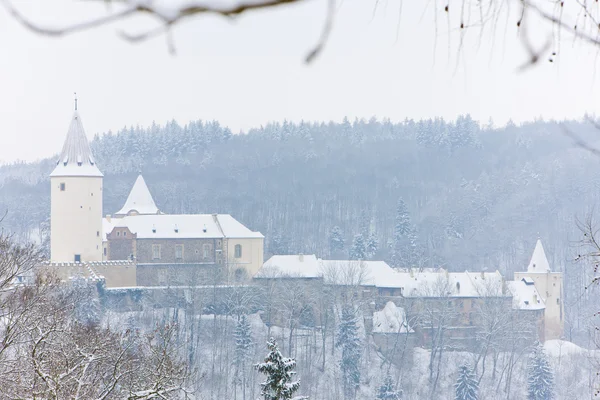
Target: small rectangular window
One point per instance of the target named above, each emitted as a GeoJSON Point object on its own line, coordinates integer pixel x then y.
{"type": "Point", "coordinates": [206, 249]}
{"type": "Point", "coordinates": [77, 257]}
{"type": "Point", "coordinates": [97, 233]}
{"type": "Point", "coordinates": [238, 251]}
{"type": "Point", "coordinates": [118, 233]}
{"type": "Point", "coordinates": [125, 233]}
{"type": "Point", "coordinates": [156, 251]}
{"type": "Point", "coordinates": [62, 186]}
{"type": "Point", "coordinates": [179, 251]}
{"type": "Point", "coordinates": [105, 251]}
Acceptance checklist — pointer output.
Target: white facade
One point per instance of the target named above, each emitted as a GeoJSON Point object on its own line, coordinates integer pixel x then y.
{"type": "Point", "coordinates": [76, 201]}
{"type": "Point", "coordinates": [549, 285]}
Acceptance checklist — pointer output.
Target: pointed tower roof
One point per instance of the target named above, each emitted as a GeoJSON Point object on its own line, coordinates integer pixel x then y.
{"type": "Point", "coordinates": [539, 262]}
{"type": "Point", "coordinates": [139, 200]}
{"type": "Point", "coordinates": [76, 157]}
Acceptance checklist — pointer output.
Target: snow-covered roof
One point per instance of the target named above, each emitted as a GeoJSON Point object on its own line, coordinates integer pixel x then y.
{"type": "Point", "coordinates": [392, 319]}
{"type": "Point", "coordinates": [182, 226]}
{"type": "Point", "coordinates": [539, 262]}
{"type": "Point", "coordinates": [417, 283]}
{"type": "Point", "coordinates": [76, 157]}
{"type": "Point", "coordinates": [139, 200]}
{"type": "Point", "coordinates": [525, 296]}
{"type": "Point", "coordinates": [294, 266]}
{"type": "Point", "coordinates": [356, 272]}
{"type": "Point", "coordinates": [333, 272]}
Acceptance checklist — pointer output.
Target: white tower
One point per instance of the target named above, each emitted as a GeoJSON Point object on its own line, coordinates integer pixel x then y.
{"type": "Point", "coordinates": [76, 200]}
{"type": "Point", "coordinates": [549, 286]}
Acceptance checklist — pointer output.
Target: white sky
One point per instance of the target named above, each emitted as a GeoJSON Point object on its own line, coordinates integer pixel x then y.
{"type": "Point", "coordinates": [249, 71]}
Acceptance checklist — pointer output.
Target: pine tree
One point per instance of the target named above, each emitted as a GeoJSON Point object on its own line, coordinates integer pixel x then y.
{"type": "Point", "coordinates": [336, 240]}
{"type": "Point", "coordinates": [359, 248]}
{"type": "Point", "coordinates": [372, 245]}
{"type": "Point", "coordinates": [243, 350]}
{"type": "Point", "coordinates": [540, 379]}
{"type": "Point", "coordinates": [280, 372]}
{"type": "Point", "coordinates": [387, 391]}
{"type": "Point", "coordinates": [349, 341]}
{"type": "Point", "coordinates": [466, 385]}
{"type": "Point", "coordinates": [404, 239]}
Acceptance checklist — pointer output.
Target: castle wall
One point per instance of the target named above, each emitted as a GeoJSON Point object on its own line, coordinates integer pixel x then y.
{"type": "Point", "coordinates": [76, 218]}
{"type": "Point", "coordinates": [549, 286]}
{"type": "Point", "coordinates": [251, 259]}
{"type": "Point", "coordinates": [193, 250]}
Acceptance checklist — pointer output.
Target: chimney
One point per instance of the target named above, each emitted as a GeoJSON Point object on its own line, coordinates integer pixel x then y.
{"type": "Point", "coordinates": [301, 257]}
{"type": "Point", "coordinates": [108, 217]}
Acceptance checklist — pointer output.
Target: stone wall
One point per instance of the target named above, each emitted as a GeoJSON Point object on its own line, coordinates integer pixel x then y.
{"type": "Point", "coordinates": [193, 251]}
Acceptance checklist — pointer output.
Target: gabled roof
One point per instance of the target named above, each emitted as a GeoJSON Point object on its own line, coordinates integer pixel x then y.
{"type": "Point", "coordinates": [539, 262]}
{"type": "Point", "coordinates": [76, 157]}
{"type": "Point", "coordinates": [525, 296]}
{"type": "Point", "coordinates": [291, 266]}
{"type": "Point", "coordinates": [181, 226]}
{"type": "Point", "coordinates": [139, 200]}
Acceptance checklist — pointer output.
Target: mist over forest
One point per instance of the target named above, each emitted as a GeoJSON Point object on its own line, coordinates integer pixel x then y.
{"type": "Point", "coordinates": [477, 197]}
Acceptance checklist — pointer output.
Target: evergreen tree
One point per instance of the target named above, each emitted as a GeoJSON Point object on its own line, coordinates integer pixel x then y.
{"type": "Point", "coordinates": [372, 245]}
{"type": "Point", "coordinates": [359, 248]}
{"type": "Point", "coordinates": [387, 391]}
{"type": "Point", "coordinates": [404, 238]}
{"type": "Point", "coordinates": [466, 385]}
{"type": "Point", "coordinates": [540, 380]}
{"type": "Point", "coordinates": [278, 244]}
{"type": "Point", "coordinates": [280, 372]}
{"type": "Point", "coordinates": [349, 341]}
{"type": "Point", "coordinates": [243, 351]}
{"type": "Point", "coordinates": [336, 240]}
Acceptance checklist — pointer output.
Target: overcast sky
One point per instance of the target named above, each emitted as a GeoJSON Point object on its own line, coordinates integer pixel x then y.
{"type": "Point", "coordinates": [249, 71]}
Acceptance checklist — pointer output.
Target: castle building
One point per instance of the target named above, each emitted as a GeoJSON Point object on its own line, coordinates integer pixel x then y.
{"type": "Point", "coordinates": [139, 245]}
{"type": "Point", "coordinates": [549, 285]}
{"type": "Point", "coordinates": [180, 249]}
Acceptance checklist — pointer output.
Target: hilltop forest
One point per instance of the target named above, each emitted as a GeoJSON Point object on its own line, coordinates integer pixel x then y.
{"type": "Point", "coordinates": [469, 196]}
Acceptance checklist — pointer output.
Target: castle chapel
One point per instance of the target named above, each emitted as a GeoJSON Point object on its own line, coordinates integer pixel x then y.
{"type": "Point", "coordinates": [139, 245]}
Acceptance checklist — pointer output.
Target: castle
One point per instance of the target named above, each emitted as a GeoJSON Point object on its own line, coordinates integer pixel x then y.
{"type": "Point", "coordinates": [140, 246]}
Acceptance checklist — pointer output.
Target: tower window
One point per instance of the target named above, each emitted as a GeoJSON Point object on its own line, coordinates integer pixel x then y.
{"type": "Point", "coordinates": [105, 251]}
{"type": "Point", "coordinates": [77, 257]}
{"type": "Point", "coordinates": [156, 251]}
{"type": "Point", "coordinates": [63, 186]}
{"type": "Point", "coordinates": [238, 251]}
{"type": "Point", "coordinates": [557, 300]}
{"type": "Point", "coordinates": [97, 233]}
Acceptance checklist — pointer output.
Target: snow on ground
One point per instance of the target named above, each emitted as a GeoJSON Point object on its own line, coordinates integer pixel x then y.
{"type": "Point", "coordinates": [558, 348]}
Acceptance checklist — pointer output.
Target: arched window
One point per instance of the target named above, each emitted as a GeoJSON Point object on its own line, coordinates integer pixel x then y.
{"type": "Point", "coordinates": [238, 251]}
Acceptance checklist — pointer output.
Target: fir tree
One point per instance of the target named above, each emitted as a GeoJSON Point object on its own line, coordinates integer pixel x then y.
{"type": "Point", "coordinates": [372, 245]}
{"type": "Point", "coordinates": [387, 391]}
{"type": "Point", "coordinates": [540, 380]}
{"type": "Point", "coordinates": [466, 385]}
{"type": "Point", "coordinates": [336, 240]}
{"type": "Point", "coordinates": [349, 341]}
{"type": "Point", "coordinates": [359, 248]}
{"type": "Point", "coordinates": [243, 350]}
{"type": "Point", "coordinates": [279, 384]}
{"type": "Point", "coordinates": [404, 239]}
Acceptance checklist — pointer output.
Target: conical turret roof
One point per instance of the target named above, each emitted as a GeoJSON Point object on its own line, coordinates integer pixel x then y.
{"type": "Point", "coordinates": [139, 200]}
{"type": "Point", "coordinates": [539, 262]}
{"type": "Point", "coordinates": [76, 157]}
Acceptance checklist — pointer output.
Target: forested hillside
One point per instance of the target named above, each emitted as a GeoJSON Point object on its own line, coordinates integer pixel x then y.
{"type": "Point", "coordinates": [475, 197]}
